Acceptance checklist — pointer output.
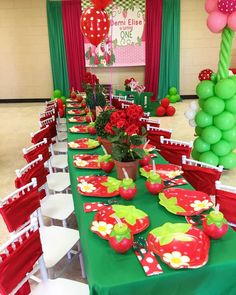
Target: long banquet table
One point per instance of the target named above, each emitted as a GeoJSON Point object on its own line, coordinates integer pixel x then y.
{"type": "Point", "coordinates": [110, 273]}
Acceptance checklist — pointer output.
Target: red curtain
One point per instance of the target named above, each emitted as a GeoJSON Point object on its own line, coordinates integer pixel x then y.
{"type": "Point", "coordinates": [74, 42]}
{"type": "Point", "coordinates": [153, 44]}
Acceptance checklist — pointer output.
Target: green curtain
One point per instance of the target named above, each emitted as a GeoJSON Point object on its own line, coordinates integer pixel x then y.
{"type": "Point", "coordinates": [170, 47]}
{"type": "Point", "coordinates": [57, 46]}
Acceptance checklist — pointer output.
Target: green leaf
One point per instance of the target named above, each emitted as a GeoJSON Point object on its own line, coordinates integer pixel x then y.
{"type": "Point", "coordinates": [129, 213]}
{"type": "Point", "coordinates": [92, 143]}
{"type": "Point", "coordinates": [112, 184]}
{"type": "Point", "coordinates": [136, 140]}
{"type": "Point", "coordinates": [170, 204]}
{"type": "Point", "coordinates": [138, 152]}
{"type": "Point", "coordinates": [144, 173]}
{"type": "Point", "coordinates": [104, 158]}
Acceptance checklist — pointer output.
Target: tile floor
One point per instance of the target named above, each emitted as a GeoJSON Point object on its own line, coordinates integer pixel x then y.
{"type": "Point", "coordinates": [19, 119]}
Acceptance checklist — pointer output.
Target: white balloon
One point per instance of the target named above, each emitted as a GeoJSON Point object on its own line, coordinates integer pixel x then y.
{"type": "Point", "coordinates": [190, 114]}
{"type": "Point", "coordinates": [192, 123]}
{"type": "Point", "coordinates": [194, 105]}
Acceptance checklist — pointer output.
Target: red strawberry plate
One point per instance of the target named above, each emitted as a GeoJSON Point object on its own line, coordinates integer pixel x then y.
{"type": "Point", "coordinates": [179, 245]}
{"type": "Point", "coordinates": [77, 119]}
{"type": "Point", "coordinates": [105, 219]}
{"type": "Point", "coordinates": [84, 161]}
{"type": "Point", "coordinates": [76, 112]}
{"type": "Point", "coordinates": [166, 171]}
{"type": "Point", "coordinates": [79, 129]}
{"type": "Point", "coordinates": [148, 147]}
{"type": "Point", "coordinates": [74, 105]}
{"type": "Point", "coordinates": [98, 186]}
{"type": "Point", "coordinates": [84, 144]}
{"type": "Point", "coordinates": [185, 202]}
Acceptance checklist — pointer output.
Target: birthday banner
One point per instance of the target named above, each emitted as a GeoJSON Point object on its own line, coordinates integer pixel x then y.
{"type": "Point", "coordinates": [125, 43]}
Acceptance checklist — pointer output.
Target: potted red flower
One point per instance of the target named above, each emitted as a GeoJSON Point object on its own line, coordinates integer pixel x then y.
{"type": "Point", "coordinates": [125, 130]}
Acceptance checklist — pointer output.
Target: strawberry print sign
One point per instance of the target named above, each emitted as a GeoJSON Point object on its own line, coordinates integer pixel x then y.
{"type": "Point", "coordinates": [179, 245]}
{"type": "Point", "coordinates": [84, 144]}
{"type": "Point", "coordinates": [185, 202]}
{"type": "Point", "coordinates": [79, 129]}
{"type": "Point", "coordinates": [137, 220]}
{"type": "Point", "coordinates": [84, 161]}
{"type": "Point", "coordinates": [98, 186]}
{"type": "Point", "coordinates": [77, 119]}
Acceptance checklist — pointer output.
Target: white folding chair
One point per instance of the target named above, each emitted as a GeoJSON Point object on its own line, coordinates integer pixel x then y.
{"type": "Point", "coordinates": [57, 242]}
{"type": "Point", "coordinates": [226, 198]}
{"type": "Point", "coordinates": [25, 251]}
{"type": "Point", "coordinates": [59, 136]}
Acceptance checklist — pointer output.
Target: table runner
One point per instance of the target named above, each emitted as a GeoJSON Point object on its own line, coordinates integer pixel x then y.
{"type": "Point", "coordinates": [110, 273]}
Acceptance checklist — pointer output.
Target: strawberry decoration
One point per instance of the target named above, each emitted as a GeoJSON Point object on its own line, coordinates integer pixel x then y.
{"type": "Point", "coordinates": [91, 128]}
{"type": "Point", "coordinates": [79, 98]}
{"type": "Point", "coordinates": [90, 117]}
{"type": "Point", "coordinates": [215, 225]}
{"type": "Point", "coordinates": [185, 202]}
{"type": "Point", "coordinates": [121, 238]}
{"type": "Point", "coordinates": [106, 163]}
{"type": "Point", "coordinates": [165, 108]}
{"type": "Point", "coordinates": [145, 159]}
{"type": "Point", "coordinates": [227, 6]}
{"type": "Point", "coordinates": [205, 74]}
{"type": "Point", "coordinates": [83, 104]}
{"type": "Point", "coordinates": [127, 189]}
{"type": "Point", "coordinates": [179, 245]}
{"type": "Point", "coordinates": [154, 183]}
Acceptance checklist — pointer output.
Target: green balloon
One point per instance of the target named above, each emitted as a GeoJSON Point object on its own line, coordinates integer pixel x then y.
{"type": "Point", "coordinates": [214, 105]}
{"type": "Point", "coordinates": [209, 158]}
{"type": "Point", "coordinates": [205, 89]}
{"type": "Point", "coordinates": [230, 105]}
{"type": "Point", "coordinates": [228, 161]}
{"type": "Point", "coordinates": [57, 93]}
{"type": "Point", "coordinates": [201, 146]}
{"type": "Point", "coordinates": [198, 130]}
{"type": "Point", "coordinates": [233, 145]}
{"type": "Point", "coordinates": [201, 103]}
{"type": "Point", "coordinates": [173, 98]}
{"type": "Point", "coordinates": [221, 148]}
{"type": "Point", "coordinates": [63, 98]}
{"type": "Point", "coordinates": [52, 98]}
{"type": "Point", "coordinates": [229, 135]}
{"type": "Point", "coordinates": [203, 119]}
{"type": "Point", "coordinates": [211, 134]}
{"type": "Point", "coordinates": [195, 154]}
{"type": "Point", "coordinates": [225, 88]}
{"type": "Point", "coordinates": [172, 91]}
{"type": "Point", "coordinates": [224, 121]}
{"type": "Point", "coordinates": [177, 97]}
{"type": "Point", "coordinates": [233, 78]}
{"type": "Point", "coordinates": [214, 77]}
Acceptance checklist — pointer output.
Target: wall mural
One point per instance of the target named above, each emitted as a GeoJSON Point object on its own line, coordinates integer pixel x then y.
{"type": "Point", "coordinates": [125, 43]}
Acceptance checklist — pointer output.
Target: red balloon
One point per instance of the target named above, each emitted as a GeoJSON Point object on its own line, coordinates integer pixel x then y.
{"type": "Point", "coordinates": [60, 103]}
{"type": "Point", "coordinates": [160, 111]}
{"type": "Point", "coordinates": [61, 112]}
{"type": "Point", "coordinates": [165, 102]}
{"type": "Point", "coordinates": [170, 111]}
{"type": "Point", "coordinates": [101, 4]}
{"type": "Point", "coordinates": [95, 25]}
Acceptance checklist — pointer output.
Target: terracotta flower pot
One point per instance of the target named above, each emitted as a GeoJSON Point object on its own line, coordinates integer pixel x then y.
{"type": "Point", "coordinates": [107, 145]}
{"type": "Point", "coordinates": [130, 167]}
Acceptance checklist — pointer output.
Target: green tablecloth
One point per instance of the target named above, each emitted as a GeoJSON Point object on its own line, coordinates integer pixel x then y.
{"type": "Point", "coordinates": [111, 273]}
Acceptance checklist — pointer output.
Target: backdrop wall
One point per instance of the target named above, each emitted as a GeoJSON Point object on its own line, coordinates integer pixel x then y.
{"type": "Point", "coordinates": [25, 69]}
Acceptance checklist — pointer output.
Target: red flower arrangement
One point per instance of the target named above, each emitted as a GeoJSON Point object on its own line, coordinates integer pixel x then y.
{"type": "Point", "coordinates": [127, 83]}
{"type": "Point", "coordinates": [125, 130]}
{"type": "Point", "coordinates": [91, 79]}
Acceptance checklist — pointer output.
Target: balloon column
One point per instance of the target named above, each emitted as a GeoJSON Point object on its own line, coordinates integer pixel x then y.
{"type": "Point", "coordinates": [95, 22]}
{"type": "Point", "coordinates": [216, 119]}
{"type": "Point", "coordinates": [173, 95]}
{"type": "Point", "coordinates": [61, 100]}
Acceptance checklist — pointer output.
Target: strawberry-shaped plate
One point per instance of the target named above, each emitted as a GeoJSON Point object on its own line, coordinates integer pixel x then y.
{"type": "Point", "coordinates": [185, 202]}
{"type": "Point", "coordinates": [98, 186]}
{"type": "Point", "coordinates": [79, 129]}
{"type": "Point", "coordinates": [77, 119]}
{"type": "Point", "coordinates": [105, 219]}
{"type": "Point", "coordinates": [148, 147]}
{"type": "Point", "coordinates": [84, 161]}
{"type": "Point", "coordinates": [76, 112]}
{"type": "Point", "coordinates": [180, 245]}
{"type": "Point", "coordinates": [166, 171]}
{"type": "Point", "coordinates": [84, 144]}
{"type": "Point", "coordinates": [74, 105]}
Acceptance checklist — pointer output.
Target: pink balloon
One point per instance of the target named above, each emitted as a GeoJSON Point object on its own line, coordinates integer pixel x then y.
{"type": "Point", "coordinates": [232, 21]}
{"type": "Point", "coordinates": [216, 21]}
{"type": "Point", "coordinates": [211, 5]}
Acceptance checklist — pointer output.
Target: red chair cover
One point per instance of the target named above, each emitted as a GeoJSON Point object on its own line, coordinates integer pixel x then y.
{"type": "Point", "coordinates": [17, 211]}
{"type": "Point", "coordinates": [37, 171]}
{"type": "Point", "coordinates": [39, 150]}
{"type": "Point", "coordinates": [154, 136]}
{"type": "Point", "coordinates": [173, 153]}
{"type": "Point", "coordinates": [52, 129]}
{"type": "Point", "coordinates": [145, 122]}
{"type": "Point", "coordinates": [18, 263]}
{"type": "Point", "coordinates": [43, 133]}
{"type": "Point", "coordinates": [201, 178]}
{"type": "Point", "coordinates": [227, 201]}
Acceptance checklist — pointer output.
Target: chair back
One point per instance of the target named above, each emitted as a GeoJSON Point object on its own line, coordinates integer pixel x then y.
{"type": "Point", "coordinates": [41, 148]}
{"type": "Point", "coordinates": [51, 122]}
{"type": "Point", "coordinates": [34, 169]}
{"type": "Point", "coordinates": [47, 114]}
{"type": "Point", "coordinates": [18, 259]}
{"type": "Point", "coordinates": [200, 175]}
{"type": "Point", "coordinates": [154, 133]}
{"type": "Point", "coordinates": [226, 198]}
{"type": "Point", "coordinates": [17, 208]}
{"type": "Point", "coordinates": [145, 120]}
{"type": "Point", "coordinates": [173, 150]}
{"type": "Point", "coordinates": [39, 135]}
